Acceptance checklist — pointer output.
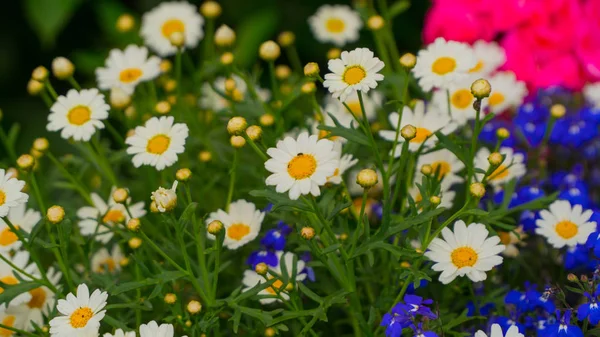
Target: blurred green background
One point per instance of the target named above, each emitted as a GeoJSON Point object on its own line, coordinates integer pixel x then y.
{"type": "Point", "coordinates": [36, 31]}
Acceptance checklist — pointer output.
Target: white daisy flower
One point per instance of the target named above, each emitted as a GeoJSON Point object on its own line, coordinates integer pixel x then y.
{"type": "Point", "coordinates": [425, 123]}
{"type": "Point", "coordinates": [103, 261]}
{"type": "Point", "coordinates": [489, 55]}
{"type": "Point", "coordinates": [168, 18]}
{"type": "Point", "coordinates": [461, 101]}
{"type": "Point", "coordinates": [591, 92]}
{"type": "Point", "coordinates": [22, 218]}
{"type": "Point", "coordinates": [152, 329]}
{"type": "Point", "coordinates": [241, 223]}
{"type": "Point", "coordinates": [513, 331]}
{"type": "Point", "coordinates": [345, 162]}
{"type": "Point", "coordinates": [12, 320]}
{"type": "Point", "coordinates": [512, 167]}
{"type": "Point", "coordinates": [81, 314]}
{"type": "Point", "coordinates": [9, 276]}
{"type": "Point", "coordinates": [300, 166]}
{"type": "Point", "coordinates": [443, 63]}
{"type": "Point", "coordinates": [507, 92]}
{"type": "Point", "coordinates": [338, 24]}
{"type": "Point", "coordinates": [441, 161]}
{"type": "Point", "coordinates": [125, 69]}
{"type": "Point", "coordinates": [356, 70]}
{"type": "Point", "coordinates": [98, 219]}
{"type": "Point", "coordinates": [212, 100]}
{"type": "Point", "coordinates": [120, 333]}
{"type": "Point", "coordinates": [157, 143]}
{"type": "Point", "coordinates": [78, 114]}
{"type": "Point", "coordinates": [10, 193]}
{"type": "Point", "coordinates": [466, 251]}
{"type": "Point", "coordinates": [336, 108]}
{"type": "Point", "coordinates": [446, 195]}
{"type": "Point", "coordinates": [563, 225]}
{"type": "Point", "coordinates": [252, 278]}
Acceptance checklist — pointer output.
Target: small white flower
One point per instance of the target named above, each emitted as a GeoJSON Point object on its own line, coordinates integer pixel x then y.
{"type": "Point", "coordinates": [157, 143]}
{"type": "Point", "coordinates": [563, 225]}
{"type": "Point", "coordinates": [461, 101]}
{"type": "Point", "coordinates": [345, 162]}
{"type": "Point", "coordinates": [251, 278]}
{"type": "Point", "coordinates": [120, 333]}
{"type": "Point", "coordinates": [507, 92]}
{"type": "Point", "coordinates": [513, 331]}
{"type": "Point", "coordinates": [125, 69]}
{"type": "Point", "coordinates": [13, 320]}
{"type": "Point", "coordinates": [466, 251]}
{"type": "Point", "coordinates": [105, 262]}
{"type": "Point", "coordinates": [10, 193]}
{"type": "Point", "coordinates": [81, 314]}
{"type": "Point", "coordinates": [168, 18]}
{"type": "Point", "coordinates": [591, 93]}
{"type": "Point", "coordinates": [443, 63]}
{"type": "Point", "coordinates": [489, 55]}
{"type": "Point", "coordinates": [512, 167]}
{"type": "Point", "coordinates": [443, 162]}
{"type": "Point", "coordinates": [335, 107]}
{"type": "Point", "coordinates": [98, 219]}
{"type": "Point", "coordinates": [9, 276]}
{"type": "Point", "coordinates": [356, 70]}
{"type": "Point", "coordinates": [165, 199]}
{"type": "Point", "coordinates": [241, 222]}
{"type": "Point", "coordinates": [301, 165]}
{"type": "Point", "coordinates": [78, 114]}
{"type": "Point", "coordinates": [338, 24]}
{"type": "Point", "coordinates": [152, 329]}
{"type": "Point", "coordinates": [22, 218]}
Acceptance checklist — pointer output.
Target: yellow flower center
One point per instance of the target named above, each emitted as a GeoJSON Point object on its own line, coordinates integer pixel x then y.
{"type": "Point", "coordinates": [336, 172]}
{"type": "Point", "coordinates": [113, 216]}
{"type": "Point", "coordinates": [276, 285]}
{"type": "Point", "coordinates": [172, 26]}
{"type": "Point", "coordinates": [2, 197]}
{"type": "Point", "coordinates": [79, 115]}
{"type": "Point", "coordinates": [10, 280]}
{"type": "Point", "coordinates": [8, 237]}
{"type": "Point", "coordinates": [461, 98]}
{"type": "Point", "coordinates": [335, 25]}
{"type": "Point", "coordinates": [355, 108]}
{"type": "Point", "coordinates": [441, 167]}
{"type": "Point", "coordinates": [110, 265]}
{"type": "Point", "coordinates": [7, 321]}
{"type": "Point", "coordinates": [354, 75]}
{"type": "Point", "coordinates": [418, 198]}
{"type": "Point", "coordinates": [38, 298]}
{"type": "Point", "coordinates": [504, 237]}
{"type": "Point", "coordinates": [130, 74]}
{"type": "Point", "coordinates": [158, 144]}
{"type": "Point", "coordinates": [495, 98]}
{"type": "Point", "coordinates": [238, 231]}
{"type": "Point", "coordinates": [421, 136]}
{"type": "Point", "coordinates": [477, 67]}
{"type": "Point", "coordinates": [566, 229]}
{"type": "Point", "coordinates": [80, 317]}
{"type": "Point", "coordinates": [500, 173]}
{"type": "Point", "coordinates": [443, 65]}
{"type": "Point", "coordinates": [464, 257]}
{"type": "Point", "coordinates": [302, 166]}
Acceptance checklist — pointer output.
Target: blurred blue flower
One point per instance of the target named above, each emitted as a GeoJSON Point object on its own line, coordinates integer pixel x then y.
{"type": "Point", "coordinates": [589, 310]}
{"type": "Point", "coordinates": [563, 328]}
{"type": "Point", "coordinates": [266, 256]}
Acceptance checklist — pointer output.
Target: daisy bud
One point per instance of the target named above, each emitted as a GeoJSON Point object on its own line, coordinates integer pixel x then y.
{"type": "Point", "coordinates": [405, 264]}
{"type": "Point", "coordinates": [25, 162]}
{"type": "Point", "coordinates": [227, 58]}
{"type": "Point", "coordinates": [237, 125]}
{"type": "Point", "coordinates": [62, 68]}
{"type": "Point", "coordinates": [125, 23]}
{"type": "Point", "coordinates": [286, 39]}
{"type": "Point", "coordinates": [162, 107]}
{"type": "Point", "coordinates": [572, 277]}
{"type": "Point", "coordinates": [210, 9]}
{"type": "Point", "coordinates": [165, 66]}
{"type": "Point", "coordinates": [120, 195]}
{"type": "Point", "coordinates": [230, 85]}
{"type": "Point", "coordinates": [334, 53]}
{"type": "Point", "coordinates": [165, 199]}
{"type": "Point", "coordinates": [134, 224]}
{"type": "Point", "coordinates": [495, 159]}
{"type": "Point", "coordinates": [367, 178]}
{"type": "Point", "coordinates": [282, 72]}
{"type": "Point", "coordinates": [204, 156]}
{"type": "Point", "coordinates": [55, 214]}
{"type": "Point", "coordinates": [477, 190]}
{"type": "Point", "coordinates": [153, 207]}
{"type": "Point", "coordinates": [124, 262]}
{"type": "Point", "coordinates": [134, 243]}
{"type": "Point", "coordinates": [558, 110]}
{"type": "Point", "coordinates": [269, 51]}
{"type": "Point", "coordinates": [170, 85]}
{"type": "Point", "coordinates": [172, 99]}
{"type": "Point", "coordinates": [435, 200]}
{"type": "Point", "coordinates": [224, 36]}
{"type": "Point", "coordinates": [214, 227]}
{"type": "Point", "coordinates": [130, 112]}
{"type": "Point", "coordinates": [408, 132]}
{"type": "Point", "coordinates": [188, 323]}
{"type": "Point", "coordinates": [375, 22]}
{"type": "Point", "coordinates": [481, 89]}
{"type": "Point", "coordinates": [119, 99]}
{"type": "Point", "coordinates": [311, 69]}
{"type": "Point", "coordinates": [426, 169]}
{"type": "Point", "coordinates": [266, 120]}
{"type": "Point", "coordinates": [170, 298]}
{"type": "Point", "coordinates": [237, 141]}
{"type": "Point", "coordinates": [254, 132]}
{"type": "Point", "coordinates": [177, 39]}
{"type": "Point", "coordinates": [194, 307]}
{"type": "Point", "coordinates": [276, 104]}
{"type": "Point", "coordinates": [40, 74]}
{"type": "Point", "coordinates": [41, 144]}
{"type": "Point", "coordinates": [343, 237]}
{"type": "Point", "coordinates": [307, 233]}
{"type": "Point", "coordinates": [183, 174]}
{"type": "Point", "coordinates": [502, 133]}
{"type": "Point", "coordinates": [261, 268]}
{"type": "Point", "coordinates": [308, 88]}
{"type": "Point", "coordinates": [34, 87]}
{"type": "Point", "coordinates": [36, 155]}
{"type": "Point", "coordinates": [583, 278]}
{"type": "Point", "coordinates": [270, 332]}
{"type": "Point", "coordinates": [408, 60]}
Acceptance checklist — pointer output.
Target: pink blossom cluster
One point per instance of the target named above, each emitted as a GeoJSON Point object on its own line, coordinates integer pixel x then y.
{"type": "Point", "coordinates": [547, 42]}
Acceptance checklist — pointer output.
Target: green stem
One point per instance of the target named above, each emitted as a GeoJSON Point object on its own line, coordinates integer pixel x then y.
{"type": "Point", "coordinates": [9, 149]}
{"type": "Point", "coordinates": [256, 149]}
{"type": "Point", "coordinates": [78, 184]}
{"type": "Point", "coordinates": [51, 90]}
{"type": "Point", "coordinates": [74, 83]}
{"type": "Point", "coordinates": [292, 55]}
{"type": "Point", "coordinates": [232, 173]}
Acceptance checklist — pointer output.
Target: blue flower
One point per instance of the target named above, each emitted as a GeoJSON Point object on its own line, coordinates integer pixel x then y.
{"type": "Point", "coordinates": [589, 310]}
{"type": "Point", "coordinates": [506, 322]}
{"type": "Point", "coordinates": [488, 133]}
{"type": "Point", "coordinates": [395, 321]}
{"type": "Point", "coordinates": [562, 328]}
{"type": "Point", "coordinates": [275, 238]}
{"type": "Point", "coordinates": [534, 133]}
{"type": "Point", "coordinates": [527, 220]}
{"type": "Point", "coordinates": [593, 242]}
{"type": "Point", "coordinates": [266, 256]}
{"type": "Point", "coordinates": [484, 310]}
{"type": "Point", "coordinates": [420, 333]}
{"type": "Point", "coordinates": [309, 271]}
{"type": "Point", "coordinates": [590, 114]}
{"type": "Point", "coordinates": [531, 112]}
{"type": "Point", "coordinates": [576, 194]}
{"type": "Point", "coordinates": [405, 313]}
{"type": "Point", "coordinates": [578, 257]}
{"type": "Point", "coordinates": [416, 305]}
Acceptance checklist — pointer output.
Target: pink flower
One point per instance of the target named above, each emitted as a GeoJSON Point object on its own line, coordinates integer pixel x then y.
{"type": "Point", "coordinates": [455, 20]}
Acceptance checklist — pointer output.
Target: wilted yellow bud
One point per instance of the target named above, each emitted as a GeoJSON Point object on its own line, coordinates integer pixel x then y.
{"type": "Point", "coordinates": [120, 195]}
{"type": "Point", "coordinates": [269, 51]}
{"type": "Point", "coordinates": [40, 74]}
{"type": "Point", "coordinates": [125, 23]}
{"type": "Point", "coordinates": [224, 36]}
{"type": "Point", "coordinates": [55, 214]}
{"type": "Point", "coordinates": [183, 174]}
{"type": "Point", "coordinates": [254, 132]}
{"type": "Point", "coordinates": [62, 68]}
{"type": "Point", "coordinates": [165, 198]}
{"type": "Point", "coordinates": [210, 9]}
{"type": "Point", "coordinates": [170, 85]}
{"type": "Point", "coordinates": [194, 307]}
{"type": "Point", "coordinates": [481, 88]}
{"type": "Point", "coordinates": [367, 178]}
{"type": "Point", "coordinates": [286, 39]}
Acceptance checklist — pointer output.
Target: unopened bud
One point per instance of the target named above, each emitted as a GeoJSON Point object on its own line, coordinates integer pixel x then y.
{"type": "Point", "coordinates": [261, 268]}
{"type": "Point", "coordinates": [183, 174]}
{"type": "Point", "coordinates": [495, 159]}
{"type": "Point", "coordinates": [214, 227]}
{"type": "Point", "coordinates": [204, 156]}
{"type": "Point", "coordinates": [481, 89]}
{"type": "Point", "coordinates": [120, 195]}
{"type": "Point", "coordinates": [170, 298]}
{"type": "Point", "coordinates": [307, 233]}
{"type": "Point", "coordinates": [237, 141]}
{"type": "Point", "coordinates": [55, 214]}
{"type": "Point", "coordinates": [286, 39]}
{"type": "Point", "coordinates": [266, 120]}
{"type": "Point", "coordinates": [134, 224]}
{"type": "Point", "coordinates": [177, 39]}
{"type": "Point", "coordinates": [426, 169]}
{"type": "Point", "coordinates": [408, 132]}
{"type": "Point", "coordinates": [25, 162]}
{"type": "Point", "coordinates": [334, 53]}
{"type": "Point", "coordinates": [62, 68]}
{"type": "Point", "coordinates": [572, 277]}
{"type": "Point", "coordinates": [134, 243]}
{"type": "Point", "coordinates": [367, 178]}
{"type": "Point", "coordinates": [308, 88]}
{"type": "Point", "coordinates": [34, 87]}
{"type": "Point", "coordinates": [162, 107]}
{"type": "Point", "coordinates": [282, 72]}
{"type": "Point", "coordinates": [254, 132]}
{"type": "Point", "coordinates": [435, 200]}
{"type": "Point", "coordinates": [237, 125]}
{"type": "Point", "coordinates": [40, 74]}
{"type": "Point", "coordinates": [311, 69]}
{"type": "Point", "coordinates": [558, 110]}
{"type": "Point", "coordinates": [119, 99]}
{"type": "Point", "coordinates": [502, 133]}
{"type": "Point", "coordinates": [194, 307]}
{"type": "Point", "coordinates": [224, 36]}
{"type": "Point", "coordinates": [269, 51]}
{"type": "Point", "coordinates": [408, 60]}
{"type": "Point", "coordinates": [375, 22]}
{"type": "Point", "coordinates": [41, 144]}
{"type": "Point", "coordinates": [477, 190]}
{"type": "Point", "coordinates": [210, 9]}
{"type": "Point", "coordinates": [125, 23]}
{"type": "Point", "coordinates": [227, 59]}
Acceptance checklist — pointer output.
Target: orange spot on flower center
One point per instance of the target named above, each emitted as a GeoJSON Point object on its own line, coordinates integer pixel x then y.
{"type": "Point", "coordinates": [38, 298]}
{"type": "Point", "coordinates": [461, 98]}
{"type": "Point", "coordinates": [238, 231]}
{"type": "Point", "coordinates": [504, 237]}
{"type": "Point", "coordinates": [114, 216]}
{"type": "Point", "coordinates": [302, 166]}
{"type": "Point", "coordinates": [335, 25]}
{"type": "Point", "coordinates": [354, 75]}
{"type": "Point", "coordinates": [8, 237]}
{"type": "Point", "coordinates": [477, 67]}
{"type": "Point", "coordinates": [80, 317]}
{"type": "Point", "coordinates": [278, 284]}
{"type": "Point", "coordinates": [464, 257]}
{"type": "Point", "coordinates": [130, 75]}
{"type": "Point", "coordinates": [172, 26]}
{"type": "Point", "coordinates": [158, 144]}
{"type": "Point", "coordinates": [566, 229]}
{"type": "Point", "coordinates": [495, 98]}
{"type": "Point", "coordinates": [443, 65]}
{"type": "Point", "coordinates": [79, 115]}
{"type": "Point", "coordinates": [421, 136]}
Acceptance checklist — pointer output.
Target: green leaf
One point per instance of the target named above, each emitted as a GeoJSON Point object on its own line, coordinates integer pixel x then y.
{"type": "Point", "coordinates": [187, 215]}
{"type": "Point", "coordinates": [399, 7]}
{"type": "Point", "coordinates": [312, 295]}
{"type": "Point", "coordinates": [64, 230]}
{"type": "Point", "coordinates": [13, 134]}
{"type": "Point", "coordinates": [49, 18]}
{"type": "Point", "coordinates": [455, 148]}
{"type": "Point", "coordinates": [331, 248]}
{"type": "Point", "coordinates": [399, 224]}
{"type": "Point", "coordinates": [352, 135]}
{"type": "Point", "coordinates": [338, 208]}
{"type": "Point", "coordinates": [253, 31]}
{"type": "Point", "coordinates": [12, 291]}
